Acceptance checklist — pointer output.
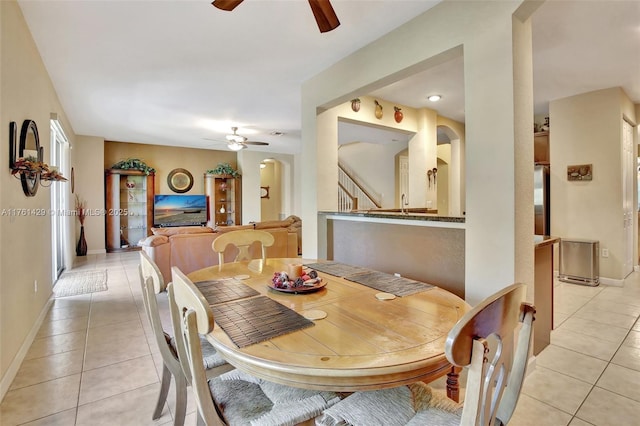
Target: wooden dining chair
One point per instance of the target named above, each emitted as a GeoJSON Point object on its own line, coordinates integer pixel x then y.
{"type": "Point", "coordinates": [481, 341]}
{"type": "Point", "coordinates": [234, 398]}
{"type": "Point", "coordinates": [242, 239]}
{"type": "Point", "coordinates": [152, 287]}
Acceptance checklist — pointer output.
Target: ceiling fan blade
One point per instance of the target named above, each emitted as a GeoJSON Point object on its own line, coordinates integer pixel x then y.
{"type": "Point", "coordinates": [255, 143]}
{"type": "Point", "coordinates": [326, 17]}
{"type": "Point", "coordinates": [227, 5]}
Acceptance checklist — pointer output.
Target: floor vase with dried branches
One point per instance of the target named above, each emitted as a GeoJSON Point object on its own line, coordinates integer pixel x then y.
{"type": "Point", "coordinates": [81, 247]}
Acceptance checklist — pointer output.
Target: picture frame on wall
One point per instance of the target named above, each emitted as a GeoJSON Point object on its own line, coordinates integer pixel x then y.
{"type": "Point", "coordinates": [264, 192]}
{"type": "Point", "coordinates": [13, 143]}
{"type": "Point", "coordinates": [180, 180]}
{"type": "Point", "coordinates": [580, 172]}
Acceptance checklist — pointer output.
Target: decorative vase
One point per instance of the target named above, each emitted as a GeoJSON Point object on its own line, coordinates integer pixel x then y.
{"type": "Point", "coordinates": [378, 111]}
{"type": "Point", "coordinates": [81, 248]}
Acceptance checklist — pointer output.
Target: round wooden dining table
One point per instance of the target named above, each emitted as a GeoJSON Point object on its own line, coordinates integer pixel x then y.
{"type": "Point", "coordinates": [361, 343]}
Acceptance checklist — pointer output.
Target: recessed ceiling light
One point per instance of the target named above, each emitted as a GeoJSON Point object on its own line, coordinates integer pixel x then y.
{"type": "Point", "coordinates": [434, 98]}
{"type": "Point", "coordinates": [277, 133]}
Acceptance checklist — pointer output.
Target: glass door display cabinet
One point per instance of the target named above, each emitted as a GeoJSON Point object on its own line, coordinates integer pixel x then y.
{"type": "Point", "coordinates": [225, 200]}
{"type": "Point", "coordinates": [129, 208]}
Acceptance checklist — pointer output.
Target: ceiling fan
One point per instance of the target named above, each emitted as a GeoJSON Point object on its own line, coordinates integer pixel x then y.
{"type": "Point", "coordinates": [236, 142]}
{"type": "Point", "coordinates": [326, 17]}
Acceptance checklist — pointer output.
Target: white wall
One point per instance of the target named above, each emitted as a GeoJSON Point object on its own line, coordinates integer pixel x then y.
{"type": "Point", "coordinates": [249, 166]}
{"type": "Point", "coordinates": [586, 129]}
{"type": "Point", "coordinates": [374, 164]}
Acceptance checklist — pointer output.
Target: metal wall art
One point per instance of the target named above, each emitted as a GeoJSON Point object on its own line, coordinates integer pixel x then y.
{"type": "Point", "coordinates": [378, 112]}
{"type": "Point", "coordinates": [398, 115]}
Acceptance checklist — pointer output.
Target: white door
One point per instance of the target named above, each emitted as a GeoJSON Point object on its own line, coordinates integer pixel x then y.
{"type": "Point", "coordinates": [59, 197]}
{"type": "Point", "coordinates": [628, 176]}
{"type": "Point", "coordinates": [403, 164]}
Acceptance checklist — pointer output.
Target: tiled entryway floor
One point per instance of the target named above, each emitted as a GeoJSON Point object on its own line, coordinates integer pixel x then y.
{"type": "Point", "coordinates": [94, 361]}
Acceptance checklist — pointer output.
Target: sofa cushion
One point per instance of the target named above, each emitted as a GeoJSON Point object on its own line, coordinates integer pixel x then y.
{"type": "Point", "coordinates": [191, 252]}
{"type": "Point", "coordinates": [273, 224]}
{"type": "Point", "coordinates": [221, 229]}
{"type": "Point", "coordinates": [175, 230]}
{"type": "Point", "coordinates": [154, 240]}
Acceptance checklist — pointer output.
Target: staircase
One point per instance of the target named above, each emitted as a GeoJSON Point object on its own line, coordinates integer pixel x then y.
{"type": "Point", "coordinates": [352, 194]}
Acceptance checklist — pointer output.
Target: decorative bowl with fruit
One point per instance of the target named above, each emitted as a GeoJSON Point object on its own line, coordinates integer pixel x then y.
{"type": "Point", "coordinates": [308, 282]}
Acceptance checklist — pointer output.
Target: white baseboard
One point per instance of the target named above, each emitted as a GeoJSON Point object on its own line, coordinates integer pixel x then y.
{"type": "Point", "coordinates": [603, 280]}
{"type": "Point", "coordinates": [612, 282]}
{"type": "Point", "coordinates": [11, 372]}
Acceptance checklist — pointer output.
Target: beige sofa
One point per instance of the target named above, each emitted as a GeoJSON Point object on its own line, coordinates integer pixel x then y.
{"type": "Point", "coordinates": [189, 247]}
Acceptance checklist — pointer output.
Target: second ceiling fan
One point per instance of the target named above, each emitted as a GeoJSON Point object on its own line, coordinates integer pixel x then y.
{"type": "Point", "coordinates": [236, 142]}
{"type": "Point", "coordinates": [326, 17]}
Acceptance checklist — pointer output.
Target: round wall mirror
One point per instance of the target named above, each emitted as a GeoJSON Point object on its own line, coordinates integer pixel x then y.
{"type": "Point", "coordinates": [30, 150]}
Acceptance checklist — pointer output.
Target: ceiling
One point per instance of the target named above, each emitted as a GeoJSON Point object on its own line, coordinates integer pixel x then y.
{"type": "Point", "coordinates": [179, 72]}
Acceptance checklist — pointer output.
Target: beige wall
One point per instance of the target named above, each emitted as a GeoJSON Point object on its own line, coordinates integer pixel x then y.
{"type": "Point", "coordinates": [25, 257]}
{"type": "Point", "coordinates": [166, 158]}
{"type": "Point", "coordinates": [271, 176]}
{"type": "Point", "coordinates": [88, 157]}
{"type": "Point", "coordinates": [457, 190]}
{"type": "Point", "coordinates": [586, 129]}
{"type": "Point", "coordinates": [499, 248]}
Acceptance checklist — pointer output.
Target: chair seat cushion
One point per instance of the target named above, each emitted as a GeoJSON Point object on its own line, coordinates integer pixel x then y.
{"type": "Point", "coordinates": [243, 399]}
{"type": "Point", "coordinates": [210, 357]}
{"type": "Point", "coordinates": [414, 404]}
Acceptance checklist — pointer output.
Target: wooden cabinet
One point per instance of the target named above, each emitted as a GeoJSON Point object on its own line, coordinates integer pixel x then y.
{"type": "Point", "coordinates": [541, 147]}
{"type": "Point", "coordinates": [129, 208]}
{"type": "Point", "coordinates": [225, 199]}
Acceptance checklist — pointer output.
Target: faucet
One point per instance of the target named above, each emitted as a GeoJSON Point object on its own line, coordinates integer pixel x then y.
{"type": "Point", "coordinates": [403, 203]}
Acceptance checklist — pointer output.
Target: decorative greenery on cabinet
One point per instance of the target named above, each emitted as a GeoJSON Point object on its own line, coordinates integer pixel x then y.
{"type": "Point", "coordinates": [133, 164]}
{"type": "Point", "coordinates": [223, 169]}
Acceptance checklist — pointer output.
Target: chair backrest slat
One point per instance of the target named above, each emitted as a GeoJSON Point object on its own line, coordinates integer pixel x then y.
{"type": "Point", "coordinates": [243, 239]}
{"type": "Point", "coordinates": [192, 316]}
{"type": "Point", "coordinates": [483, 341]}
{"type": "Point", "coordinates": [152, 284]}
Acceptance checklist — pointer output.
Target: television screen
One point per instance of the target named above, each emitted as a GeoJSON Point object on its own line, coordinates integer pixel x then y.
{"type": "Point", "coordinates": [179, 210]}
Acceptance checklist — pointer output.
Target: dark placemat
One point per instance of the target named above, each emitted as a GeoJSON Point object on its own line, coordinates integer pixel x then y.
{"type": "Point", "coordinates": [221, 291]}
{"type": "Point", "coordinates": [254, 320]}
{"type": "Point", "coordinates": [336, 269]}
{"type": "Point", "coordinates": [388, 283]}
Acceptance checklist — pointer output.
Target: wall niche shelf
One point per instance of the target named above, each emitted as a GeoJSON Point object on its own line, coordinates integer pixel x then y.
{"type": "Point", "coordinates": [225, 199]}
{"type": "Point", "coordinates": [129, 205]}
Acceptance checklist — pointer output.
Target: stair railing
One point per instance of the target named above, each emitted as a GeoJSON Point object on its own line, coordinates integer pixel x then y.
{"type": "Point", "coordinates": [352, 195]}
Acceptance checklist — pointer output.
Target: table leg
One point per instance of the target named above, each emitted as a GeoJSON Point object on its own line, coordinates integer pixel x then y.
{"type": "Point", "coordinates": [453, 387]}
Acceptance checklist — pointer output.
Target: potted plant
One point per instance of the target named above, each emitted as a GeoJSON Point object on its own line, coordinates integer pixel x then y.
{"type": "Point", "coordinates": [223, 169]}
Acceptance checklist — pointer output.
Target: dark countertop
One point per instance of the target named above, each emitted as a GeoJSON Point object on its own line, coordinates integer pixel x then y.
{"type": "Point", "coordinates": [544, 240]}
{"type": "Point", "coordinates": [428, 217]}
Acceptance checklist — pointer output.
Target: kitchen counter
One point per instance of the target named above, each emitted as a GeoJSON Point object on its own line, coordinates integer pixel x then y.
{"type": "Point", "coordinates": [410, 218]}
{"type": "Point", "coordinates": [543, 291]}
{"type": "Point", "coordinates": [420, 246]}
{"type": "Point", "coordinates": [544, 240]}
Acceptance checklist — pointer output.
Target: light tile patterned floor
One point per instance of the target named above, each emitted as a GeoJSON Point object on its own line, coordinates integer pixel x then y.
{"type": "Point", "coordinates": [94, 361]}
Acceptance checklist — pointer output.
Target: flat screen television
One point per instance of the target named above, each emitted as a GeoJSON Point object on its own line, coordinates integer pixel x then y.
{"type": "Point", "coordinates": [179, 210]}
